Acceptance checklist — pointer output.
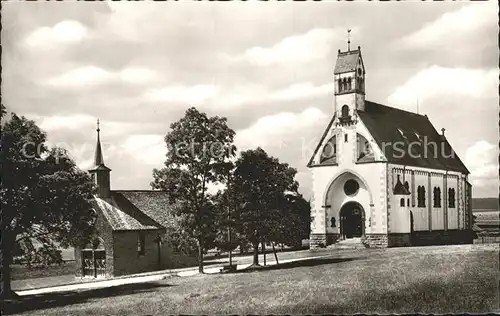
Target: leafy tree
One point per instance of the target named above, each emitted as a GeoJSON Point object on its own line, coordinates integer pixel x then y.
{"type": "Point", "coordinates": [294, 221]}
{"type": "Point", "coordinates": [199, 149]}
{"type": "Point", "coordinates": [260, 182]}
{"type": "Point", "coordinates": [228, 206]}
{"type": "Point", "coordinates": [44, 196]}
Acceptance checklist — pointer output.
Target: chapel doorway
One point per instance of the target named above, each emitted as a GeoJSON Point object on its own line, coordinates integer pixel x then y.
{"type": "Point", "coordinates": [94, 263]}
{"type": "Point", "coordinates": [352, 219]}
{"type": "Point", "coordinates": [94, 259]}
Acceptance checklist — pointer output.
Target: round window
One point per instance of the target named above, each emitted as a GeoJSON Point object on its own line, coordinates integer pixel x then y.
{"type": "Point", "coordinates": [351, 187]}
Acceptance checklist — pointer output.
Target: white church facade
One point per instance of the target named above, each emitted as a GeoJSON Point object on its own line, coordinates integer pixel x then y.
{"type": "Point", "coordinates": [383, 175]}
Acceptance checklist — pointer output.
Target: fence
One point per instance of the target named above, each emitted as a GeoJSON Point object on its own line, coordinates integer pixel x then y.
{"type": "Point", "coordinates": [487, 239]}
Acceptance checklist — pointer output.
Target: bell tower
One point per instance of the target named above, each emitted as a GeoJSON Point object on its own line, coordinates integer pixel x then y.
{"type": "Point", "coordinates": [349, 75]}
{"type": "Point", "coordinates": [100, 173]}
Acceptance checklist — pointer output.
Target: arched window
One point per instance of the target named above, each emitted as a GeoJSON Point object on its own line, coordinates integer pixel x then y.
{"type": "Point", "coordinates": [437, 197]}
{"type": "Point", "coordinates": [407, 186]}
{"type": "Point", "coordinates": [402, 202]}
{"type": "Point", "coordinates": [329, 150]}
{"type": "Point", "coordinates": [451, 198]}
{"type": "Point", "coordinates": [349, 84]}
{"type": "Point", "coordinates": [408, 202]}
{"type": "Point", "coordinates": [339, 85]}
{"type": "Point", "coordinates": [420, 196]}
{"type": "Point", "coordinates": [344, 84]}
{"type": "Point", "coordinates": [345, 111]}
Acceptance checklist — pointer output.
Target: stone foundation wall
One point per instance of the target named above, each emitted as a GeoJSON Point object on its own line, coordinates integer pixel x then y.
{"type": "Point", "coordinates": [442, 237]}
{"type": "Point", "coordinates": [322, 240]}
{"type": "Point", "coordinates": [399, 240]}
{"type": "Point", "coordinates": [375, 241]}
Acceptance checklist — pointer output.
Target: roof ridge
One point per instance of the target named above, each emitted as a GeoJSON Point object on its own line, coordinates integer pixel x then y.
{"type": "Point", "coordinates": [397, 109]}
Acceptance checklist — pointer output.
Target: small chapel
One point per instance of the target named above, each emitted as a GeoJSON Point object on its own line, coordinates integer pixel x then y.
{"type": "Point", "coordinates": [130, 229]}
{"type": "Point", "coordinates": [382, 176]}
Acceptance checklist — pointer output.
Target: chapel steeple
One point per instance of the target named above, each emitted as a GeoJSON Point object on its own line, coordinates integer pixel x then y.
{"type": "Point", "coordinates": [349, 76]}
{"type": "Point", "coordinates": [98, 159]}
{"type": "Point", "coordinates": [100, 173]}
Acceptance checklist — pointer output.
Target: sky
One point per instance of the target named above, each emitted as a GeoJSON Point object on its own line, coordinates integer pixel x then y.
{"type": "Point", "coordinates": [267, 67]}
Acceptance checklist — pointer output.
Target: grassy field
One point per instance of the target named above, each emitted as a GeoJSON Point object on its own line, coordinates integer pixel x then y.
{"type": "Point", "coordinates": [399, 280]}
{"type": "Point", "coordinates": [21, 272]}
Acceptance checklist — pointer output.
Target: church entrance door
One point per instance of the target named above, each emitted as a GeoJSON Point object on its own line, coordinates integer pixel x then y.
{"type": "Point", "coordinates": [352, 218]}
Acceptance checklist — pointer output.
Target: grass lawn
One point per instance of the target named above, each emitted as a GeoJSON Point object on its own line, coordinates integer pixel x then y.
{"type": "Point", "coordinates": [399, 280]}
{"type": "Point", "coordinates": [21, 272]}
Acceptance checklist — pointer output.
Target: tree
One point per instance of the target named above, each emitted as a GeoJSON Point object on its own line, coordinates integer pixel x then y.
{"type": "Point", "coordinates": [199, 149]}
{"type": "Point", "coordinates": [44, 196]}
{"type": "Point", "coordinates": [261, 181]}
{"type": "Point", "coordinates": [294, 221]}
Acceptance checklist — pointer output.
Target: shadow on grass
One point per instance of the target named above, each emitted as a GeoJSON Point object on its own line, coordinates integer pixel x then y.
{"type": "Point", "coordinates": [297, 264]}
{"type": "Point", "coordinates": [57, 299]}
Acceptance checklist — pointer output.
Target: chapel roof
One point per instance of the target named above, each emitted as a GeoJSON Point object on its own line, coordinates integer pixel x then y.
{"type": "Point", "coordinates": [123, 214]}
{"type": "Point", "coordinates": [389, 125]}
{"type": "Point", "coordinates": [155, 204]}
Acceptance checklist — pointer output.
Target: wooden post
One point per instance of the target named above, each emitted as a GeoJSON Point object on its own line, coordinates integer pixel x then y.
{"type": "Point", "coordinates": [275, 255]}
{"type": "Point", "coordinates": [264, 251]}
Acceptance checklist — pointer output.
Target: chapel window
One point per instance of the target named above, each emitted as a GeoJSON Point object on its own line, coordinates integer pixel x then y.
{"type": "Point", "coordinates": [437, 197]}
{"type": "Point", "coordinates": [402, 202]}
{"type": "Point", "coordinates": [451, 198]}
{"type": "Point", "coordinates": [420, 196]}
{"type": "Point", "coordinates": [345, 111]}
{"type": "Point", "coordinates": [141, 243]}
{"type": "Point", "coordinates": [348, 83]}
{"type": "Point", "coordinates": [329, 150]}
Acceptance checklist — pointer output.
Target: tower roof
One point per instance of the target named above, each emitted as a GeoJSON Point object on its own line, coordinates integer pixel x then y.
{"type": "Point", "coordinates": [98, 158]}
{"type": "Point", "coordinates": [347, 61]}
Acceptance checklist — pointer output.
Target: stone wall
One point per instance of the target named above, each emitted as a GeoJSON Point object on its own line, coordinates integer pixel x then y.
{"type": "Point", "coordinates": [322, 240]}
{"type": "Point", "coordinates": [399, 240]}
{"type": "Point", "coordinates": [127, 260]}
{"type": "Point", "coordinates": [442, 237]}
{"type": "Point", "coordinates": [375, 241]}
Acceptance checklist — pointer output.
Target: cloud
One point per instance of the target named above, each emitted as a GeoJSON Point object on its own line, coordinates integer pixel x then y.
{"type": "Point", "coordinates": [437, 81]}
{"type": "Point", "coordinates": [87, 76]}
{"type": "Point", "coordinates": [179, 93]}
{"type": "Point", "coordinates": [57, 122]}
{"type": "Point", "coordinates": [64, 32]}
{"type": "Point", "coordinates": [146, 148]}
{"type": "Point", "coordinates": [454, 25]}
{"type": "Point", "coordinates": [481, 159]}
{"type": "Point", "coordinates": [303, 48]}
{"type": "Point", "coordinates": [301, 91]}
{"type": "Point", "coordinates": [273, 130]}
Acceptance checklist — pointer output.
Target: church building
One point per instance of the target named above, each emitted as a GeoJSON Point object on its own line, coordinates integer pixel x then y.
{"type": "Point", "coordinates": [130, 230]}
{"type": "Point", "coordinates": [382, 176]}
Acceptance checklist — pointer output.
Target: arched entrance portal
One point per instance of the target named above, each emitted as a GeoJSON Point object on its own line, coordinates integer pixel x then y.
{"type": "Point", "coordinates": [352, 220]}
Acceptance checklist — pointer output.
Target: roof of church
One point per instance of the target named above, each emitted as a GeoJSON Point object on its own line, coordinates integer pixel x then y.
{"type": "Point", "coordinates": [123, 214]}
{"type": "Point", "coordinates": [347, 61]}
{"type": "Point", "coordinates": [155, 204]}
{"type": "Point", "coordinates": [389, 125]}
